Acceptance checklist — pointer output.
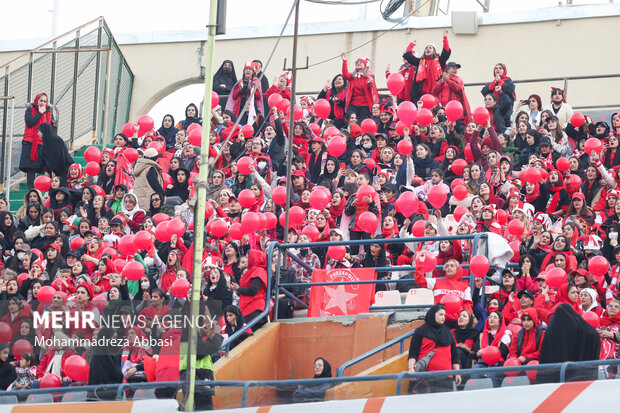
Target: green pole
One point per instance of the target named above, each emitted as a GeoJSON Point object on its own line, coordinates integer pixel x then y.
{"type": "Point", "coordinates": [199, 210]}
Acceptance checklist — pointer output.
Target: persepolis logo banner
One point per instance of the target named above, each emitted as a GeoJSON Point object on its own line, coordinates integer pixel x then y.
{"type": "Point", "coordinates": [348, 299]}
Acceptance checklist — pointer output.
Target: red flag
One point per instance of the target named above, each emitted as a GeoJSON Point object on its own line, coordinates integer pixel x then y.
{"type": "Point", "coordinates": [124, 174]}
{"type": "Point", "coordinates": [349, 299]}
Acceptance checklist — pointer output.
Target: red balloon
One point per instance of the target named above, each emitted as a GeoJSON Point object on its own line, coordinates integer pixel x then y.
{"type": "Point", "coordinates": [312, 232]}
{"type": "Point", "coordinates": [92, 154]}
{"type": "Point", "coordinates": [20, 279]}
{"type": "Point", "coordinates": [491, 355]}
{"type": "Point", "coordinates": [331, 131]}
{"type": "Point", "coordinates": [598, 265]}
{"type": "Point", "coordinates": [456, 182]}
{"type": "Point", "coordinates": [49, 381]}
{"type": "Point", "coordinates": [429, 263]}
{"type": "Point", "coordinates": [162, 233]}
{"type": "Point", "coordinates": [468, 153]}
{"type": "Point", "coordinates": [437, 197]}
{"type": "Point", "coordinates": [407, 203]}
{"type": "Point", "coordinates": [395, 83]}
{"type": "Point", "coordinates": [119, 264]}
{"type": "Point", "coordinates": [146, 124]}
{"type": "Point", "coordinates": [296, 215]}
{"type": "Point", "coordinates": [425, 117]}
{"type": "Point", "coordinates": [418, 228]}
{"type": "Point", "coordinates": [531, 374]}
{"type": "Point", "coordinates": [516, 228]}
{"type": "Point", "coordinates": [6, 334]}
{"type": "Point", "coordinates": [246, 198]}
{"type": "Point", "coordinates": [279, 195]}
{"type": "Point", "coordinates": [128, 129]}
{"type": "Point", "coordinates": [452, 303]}
{"type": "Point", "coordinates": [459, 211]}
{"type": "Point", "coordinates": [337, 146]}
{"type": "Point", "coordinates": [319, 199]}
{"type": "Point", "coordinates": [247, 131]}
{"type": "Point", "coordinates": [43, 183]}
{"type": "Point", "coordinates": [454, 110]}
{"type": "Point", "coordinates": [180, 288]}
{"type": "Point", "coordinates": [176, 226]}
{"type": "Point", "coordinates": [77, 243]}
{"type": "Point", "coordinates": [299, 112]}
{"type": "Point", "coordinates": [593, 145]}
{"type": "Point", "coordinates": [133, 270]}
{"type": "Point", "coordinates": [127, 246]}
{"type": "Point", "coordinates": [428, 101]}
{"type": "Point", "coordinates": [481, 116]}
{"type": "Point", "coordinates": [460, 192]}
{"type": "Point", "coordinates": [272, 220]}
{"type": "Point", "coordinates": [407, 112]}
{"type": "Point", "coordinates": [236, 231]}
{"type": "Point", "coordinates": [274, 100]}
{"type": "Point", "coordinates": [218, 228]}
{"type": "Point", "coordinates": [592, 318]}
{"type": "Point", "coordinates": [368, 222]}
{"type": "Point", "coordinates": [400, 128]}
{"type": "Point", "coordinates": [285, 104]}
{"type": "Point", "coordinates": [92, 169]}
{"type": "Point", "coordinates": [531, 175]}
{"type": "Point", "coordinates": [143, 240]}
{"type": "Point", "coordinates": [405, 147]}
{"type": "Point", "coordinates": [195, 137]}
{"type": "Point", "coordinates": [512, 362]}
{"type": "Point", "coordinates": [98, 190]}
{"type": "Point", "coordinates": [543, 174]}
{"type": "Point", "coordinates": [555, 277]}
{"type": "Point", "coordinates": [161, 217]}
{"type": "Point", "coordinates": [21, 346]}
{"type": "Point", "coordinates": [193, 127]}
{"type": "Point", "coordinates": [365, 191]}
{"type": "Point", "coordinates": [76, 368]}
{"type": "Point", "coordinates": [458, 165]}
{"type": "Point", "coordinates": [563, 164]}
{"type": "Point", "coordinates": [131, 154]}
{"type": "Point", "coordinates": [479, 265]}
{"type": "Point", "coordinates": [46, 293]}
{"type": "Point", "coordinates": [514, 245]}
{"type": "Point", "coordinates": [369, 126]}
{"type": "Point", "coordinates": [157, 146]}
{"type": "Point", "coordinates": [243, 165]}
{"type": "Point", "coordinates": [167, 178]}
{"type": "Point", "coordinates": [322, 108]}
{"type": "Point", "coordinates": [314, 127]}
{"type": "Point", "coordinates": [337, 252]}
{"type": "Point", "coordinates": [572, 183]}
{"type": "Point", "coordinates": [250, 222]}
{"type": "Point", "coordinates": [577, 119]}
{"type": "Point", "coordinates": [370, 163]}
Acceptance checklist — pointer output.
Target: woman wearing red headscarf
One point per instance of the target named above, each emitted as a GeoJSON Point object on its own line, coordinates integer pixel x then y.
{"type": "Point", "coordinates": [37, 113]}
{"type": "Point", "coordinates": [501, 86]}
{"type": "Point", "coordinates": [567, 293]}
{"type": "Point", "coordinates": [609, 330]}
{"type": "Point", "coordinates": [241, 92]}
{"type": "Point", "coordinates": [362, 91]}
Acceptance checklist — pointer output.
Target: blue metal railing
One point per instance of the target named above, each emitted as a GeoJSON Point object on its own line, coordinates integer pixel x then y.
{"type": "Point", "coordinates": [400, 339]}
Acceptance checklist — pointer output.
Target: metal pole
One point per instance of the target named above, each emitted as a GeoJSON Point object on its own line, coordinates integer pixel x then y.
{"type": "Point", "coordinates": [4, 113]}
{"type": "Point", "coordinates": [30, 73]}
{"type": "Point", "coordinates": [76, 62]}
{"type": "Point", "coordinates": [291, 125]}
{"type": "Point", "coordinates": [199, 216]}
{"type": "Point", "coordinates": [9, 159]}
{"type": "Point", "coordinates": [97, 75]}
{"type": "Point", "coordinates": [53, 75]}
{"type": "Point", "coordinates": [118, 92]}
{"type": "Point", "coordinates": [106, 100]}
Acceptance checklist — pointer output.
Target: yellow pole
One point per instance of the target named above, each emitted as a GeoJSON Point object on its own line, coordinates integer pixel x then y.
{"type": "Point", "coordinates": [199, 210]}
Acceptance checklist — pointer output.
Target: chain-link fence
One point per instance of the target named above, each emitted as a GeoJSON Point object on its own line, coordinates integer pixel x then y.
{"type": "Point", "coordinates": [87, 80]}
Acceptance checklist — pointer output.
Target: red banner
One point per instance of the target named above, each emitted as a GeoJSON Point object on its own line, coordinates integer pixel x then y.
{"type": "Point", "coordinates": [349, 299]}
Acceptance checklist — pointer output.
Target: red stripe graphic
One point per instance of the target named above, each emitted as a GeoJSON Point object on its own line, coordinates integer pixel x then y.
{"type": "Point", "coordinates": [374, 405]}
{"type": "Point", "coordinates": [562, 397]}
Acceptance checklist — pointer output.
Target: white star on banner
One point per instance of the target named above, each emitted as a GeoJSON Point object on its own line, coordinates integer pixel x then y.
{"type": "Point", "coordinates": [338, 297]}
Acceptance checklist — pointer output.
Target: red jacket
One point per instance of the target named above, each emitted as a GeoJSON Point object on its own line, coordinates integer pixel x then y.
{"type": "Point", "coordinates": [441, 287]}
{"type": "Point", "coordinates": [286, 93]}
{"type": "Point", "coordinates": [452, 89]}
{"type": "Point", "coordinates": [528, 343]}
{"type": "Point", "coordinates": [47, 359]}
{"type": "Point", "coordinates": [257, 268]}
{"type": "Point", "coordinates": [360, 82]}
{"type": "Point", "coordinates": [408, 72]}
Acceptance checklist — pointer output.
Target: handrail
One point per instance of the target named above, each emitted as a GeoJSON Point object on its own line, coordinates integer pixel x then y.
{"type": "Point", "coordinates": [400, 339]}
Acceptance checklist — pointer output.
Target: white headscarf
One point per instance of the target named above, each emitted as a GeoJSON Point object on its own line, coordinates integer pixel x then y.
{"type": "Point", "coordinates": [135, 209]}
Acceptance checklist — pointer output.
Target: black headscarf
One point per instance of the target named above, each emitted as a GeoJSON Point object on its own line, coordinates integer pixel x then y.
{"type": "Point", "coordinates": [569, 338]}
{"type": "Point", "coordinates": [468, 333]}
{"type": "Point", "coordinates": [105, 366]}
{"type": "Point", "coordinates": [222, 78]}
{"type": "Point", "coordinates": [327, 369]}
{"type": "Point", "coordinates": [168, 133]}
{"type": "Point", "coordinates": [438, 333]}
{"type": "Point", "coordinates": [189, 120]}
{"type": "Point", "coordinates": [55, 155]}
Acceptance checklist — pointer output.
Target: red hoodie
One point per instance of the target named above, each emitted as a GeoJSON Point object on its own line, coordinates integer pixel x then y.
{"type": "Point", "coordinates": [527, 343]}
{"type": "Point", "coordinates": [257, 268]}
{"type": "Point", "coordinates": [441, 287]}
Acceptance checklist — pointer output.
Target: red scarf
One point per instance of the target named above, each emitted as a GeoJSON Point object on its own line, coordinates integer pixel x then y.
{"type": "Point", "coordinates": [530, 198]}
{"type": "Point", "coordinates": [497, 339]}
{"type": "Point", "coordinates": [34, 137]}
{"type": "Point", "coordinates": [429, 68]}
{"type": "Point", "coordinates": [336, 210]}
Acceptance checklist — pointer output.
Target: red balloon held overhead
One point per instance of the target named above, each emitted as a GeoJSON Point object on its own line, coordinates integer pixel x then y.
{"type": "Point", "coordinates": [180, 287]}
{"type": "Point", "coordinates": [460, 192]}
{"type": "Point", "coordinates": [459, 211]}
{"type": "Point", "coordinates": [572, 184]}
{"type": "Point", "coordinates": [418, 228]}
{"type": "Point", "coordinates": [400, 128]}
{"type": "Point", "coordinates": [365, 191]}
{"type": "Point", "coordinates": [76, 368]}
{"type": "Point", "coordinates": [279, 195]}
{"type": "Point", "coordinates": [336, 146]}
{"type": "Point", "coordinates": [176, 227]}
{"type": "Point", "coordinates": [76, 243]}
{"type": "Point", "coordinates": [250, 222]}
{"type": "Point", "coordinates": [127, 245]}
{"type": "Point", "coordinates": [425, 117]}
{"type": "Point", "coordinates": [454, 110]}
{"type": "Point", "coordinates": [296, 215]}
{"type": "Point", "coordinates": [128, 129]}
{"type": "Point", "coordinates": [593, 145]}
{"type": "Point", "coordinates": [395, 83]}
{"type": "Point", "coordinates": [218, 228]}
{"type": "Point", "coordinates": [407, 203]}
{"type": "Point", "coordinates": [563, 164]}
{"type": "Point", "coordinates": [531, 175]}
{"type": "Point", "coordinates": [314, 127]}
{"type": "Point", "coordinates": [512, 362]}
{"type": "Point", "coordinates": [429, 263]}
{"type": "Point", "coordinates": [285, 104]}
{"type": "Point", "coordinates": [312, 232]}
{"type": "Point", "coordinates": [368, 222]}
{"type": "Point", "coordinates": [598, 265]}
{"type": "Point", "coordinates": [368, 126]}
{"type": "Point", "coordinates": [215, 99]}
{"type": "Point", "coordinates": [131, 154]}
{"type": "Point", "coordinates": [92, 154]}
{"type": "Point", "coordinates": [491, 355]}
{"type": "Point", "coordinates": [49, 381]}
{"type": "Point", "coordinates": [502, 216]}
{"type": "Point", "coordinates": [516, 228]}
{"type": "Point", "coordinates": [133, 270]}
{"type": "Point", "coordinates": [481, 116]}
{"type": "Point", "coordinates": [299, 113]}
{"type": "Point", "coordinates": [592, 318]}
{"type": "Point", "coordinates": [145, 123]}
{"type": "Point", "coordinates": [92, 169]}
{"type": "Point", "coordinates": [555, 277]}
{"type": "Point", "coordinates": [243, 165]}
{"type": "Point", "coordinates": [236, 231]}
{"type": "Point", "coordinates": [405, 147]}
{"type": "Point", "coordinates": [247, 131]}
{"type": "Point", "coordinates": [322, 108]}
{"type": "Point", "coordinates": [46, 293]}
{"type": "Point", "coordinates": [577, 119]}
{"type": "Point", "coordinates": [161, 232]}
{"type": "Point", "coordinates": [195, 137]}
{"type": "Point", "coordinates": [274, 100]}
{"type": "Point", "coordinates": [20, 347]}
{"type": "Point", "coordinates": [337, 252]}
{"type": "Point", "coordinates": [246, 198]}
{"type": "Point", "coordinates": [43, 183]}
{"type": "Point", "coordinates": [437, 196]}
{"type": "Point", "coordinates": [479, 265]}
{"type": "Point", "coordinates": [452, 303]}
{"type": "Point", "coordinates": [428, 101]}
{"type": "Point", "coordinates": [407, 112]}
{"type": "Point", "coordinates": [272, 220]}
{"type": "Point", "coordinates": [319, 199]}
{"type": "Point", "coordinates": [6, 334]}
{"type": "Point", "coordinates": [458, 165]}
{"type": "Point", "coordinates": [543, 174]}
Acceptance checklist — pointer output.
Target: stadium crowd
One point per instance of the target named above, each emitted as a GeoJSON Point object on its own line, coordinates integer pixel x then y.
{"type": "Point", "coordinates": [116, 237]}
